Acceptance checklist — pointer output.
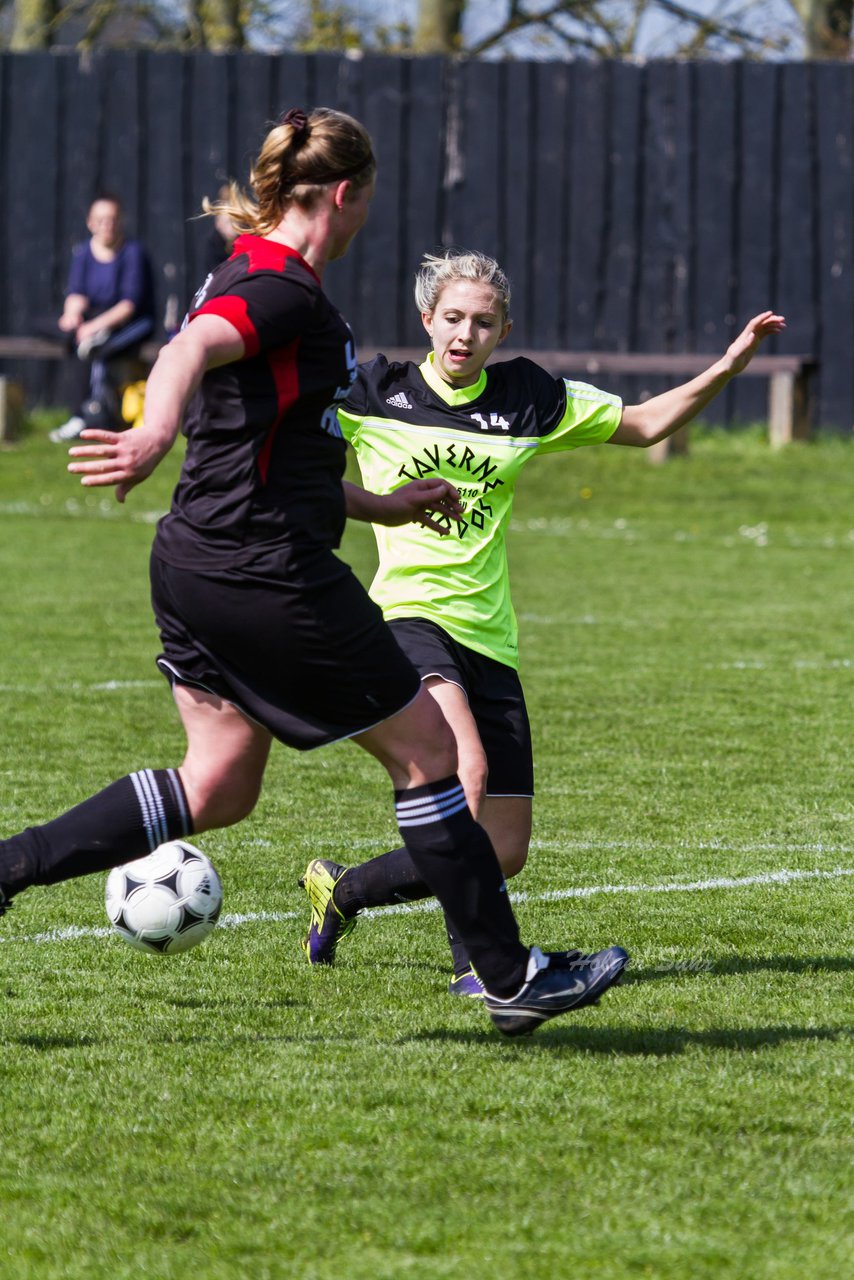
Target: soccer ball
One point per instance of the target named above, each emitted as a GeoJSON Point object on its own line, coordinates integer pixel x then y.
{"type": "Point", "coordinates": [167, 902]}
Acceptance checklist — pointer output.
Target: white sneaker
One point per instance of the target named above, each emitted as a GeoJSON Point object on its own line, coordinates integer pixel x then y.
{"type": "Point", "coordinates": [88, 345]}
{"type": "Point", "coordinates": [69, 430]}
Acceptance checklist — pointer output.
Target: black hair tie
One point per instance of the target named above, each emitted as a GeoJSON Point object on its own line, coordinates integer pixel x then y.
{"type": "Point", "coordinates": [298, 120]}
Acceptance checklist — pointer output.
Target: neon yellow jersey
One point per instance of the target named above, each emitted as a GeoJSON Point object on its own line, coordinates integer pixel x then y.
{"type": "Point", "coordinates": [405, 423]}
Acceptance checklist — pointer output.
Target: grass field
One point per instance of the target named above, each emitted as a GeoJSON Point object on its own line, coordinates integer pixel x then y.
{"type": "Point", "coordinates": [687, 642]}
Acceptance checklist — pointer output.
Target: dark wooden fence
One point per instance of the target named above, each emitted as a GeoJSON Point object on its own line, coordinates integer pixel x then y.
{"type": "Point", "coordinates": [636, 207]}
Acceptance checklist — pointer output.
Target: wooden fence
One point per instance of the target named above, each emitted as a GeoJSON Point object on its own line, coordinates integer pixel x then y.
{"type": "Point", "coordinates": [636, 207]}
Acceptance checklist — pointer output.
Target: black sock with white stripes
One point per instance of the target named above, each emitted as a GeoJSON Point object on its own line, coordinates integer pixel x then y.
{"type": "Point", "coordinates": [455, 857]}
{"type": "Point", "coordinates": [126, 820]}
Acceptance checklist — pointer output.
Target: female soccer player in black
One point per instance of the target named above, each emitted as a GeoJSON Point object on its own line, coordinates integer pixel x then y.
{"type": "Point", "coordinates": [448, 599]}
{"type": "Point", "coordinates": [265, 632]}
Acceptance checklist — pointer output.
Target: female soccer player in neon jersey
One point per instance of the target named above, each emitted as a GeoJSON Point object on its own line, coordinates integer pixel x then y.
{"type": "Point", "coordinates": [447, 600]}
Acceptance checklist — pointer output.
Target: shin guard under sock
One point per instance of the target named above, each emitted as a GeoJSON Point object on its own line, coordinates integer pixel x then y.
{"type": "Point", "coordinates": [455, 857]}
{"type": "Point", "coordinates": [391, 877]}
{"type": "Point", "coordinates": [126, 820]}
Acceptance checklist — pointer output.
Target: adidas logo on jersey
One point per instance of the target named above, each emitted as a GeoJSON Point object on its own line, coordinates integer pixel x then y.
{"type": "Point", "coordinates": [399, 401]}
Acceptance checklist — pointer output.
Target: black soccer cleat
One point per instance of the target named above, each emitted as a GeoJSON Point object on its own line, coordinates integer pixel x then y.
{"type": "Point", "coordinates": [556, 982]}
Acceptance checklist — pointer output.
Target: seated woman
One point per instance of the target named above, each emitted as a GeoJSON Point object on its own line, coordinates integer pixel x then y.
{"type": "Point", "coordinates": [109, 309]}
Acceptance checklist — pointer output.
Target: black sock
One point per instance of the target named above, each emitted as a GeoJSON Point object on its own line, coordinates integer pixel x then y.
{"type": "Point", "coordinates": [126, 820]}
{"type": "Point", "coordinates": [390, 877]}
{"type": "Point", "coordinates": [459, 955]}
{"type": "Point", "coordinates": [456, 858]}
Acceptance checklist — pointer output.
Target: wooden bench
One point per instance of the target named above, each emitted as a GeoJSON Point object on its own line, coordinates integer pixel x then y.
{"type": "Point", "coordinates": [788, 397]}
{"type": "Point", "coordinates": [17, 348]}
{"type": "Point", "coordinates": [789, 381]}
{"type": "Point", "coordinates": [23, 348]}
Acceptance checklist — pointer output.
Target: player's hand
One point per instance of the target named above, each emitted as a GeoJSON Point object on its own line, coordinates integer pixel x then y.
{"type": "Point", "coordinates": [744, 348]}
{"type": "Point", "coordinates": [432, 503]}
{"type": "Point", "coordinates": [120, 458]}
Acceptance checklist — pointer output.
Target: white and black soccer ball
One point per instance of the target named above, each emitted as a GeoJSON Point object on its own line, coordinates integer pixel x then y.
{"type": "Point", "coordinates": [166, 902]}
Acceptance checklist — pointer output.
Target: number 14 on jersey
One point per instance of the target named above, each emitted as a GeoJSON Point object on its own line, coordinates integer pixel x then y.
{"type": "Point", "coordinates": [495, 420]}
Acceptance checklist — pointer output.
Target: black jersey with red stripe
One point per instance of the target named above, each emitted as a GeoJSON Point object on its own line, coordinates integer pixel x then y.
{"type": "Point", "coordinates": [265, 455]}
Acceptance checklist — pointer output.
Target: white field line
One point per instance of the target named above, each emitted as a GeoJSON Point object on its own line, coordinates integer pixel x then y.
{"type": "Point", "coordinates": [70, 933]}
{"type": "Point", "coordinates": [77, 686]}
{"type": "Point", "coordinates": [90, 508]}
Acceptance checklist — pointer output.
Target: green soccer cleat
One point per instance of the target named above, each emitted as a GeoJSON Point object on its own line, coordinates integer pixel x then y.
{"type": "Point", "coordinates": [327, 926]}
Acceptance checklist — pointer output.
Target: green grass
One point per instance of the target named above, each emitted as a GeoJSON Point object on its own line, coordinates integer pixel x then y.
{"type": "Point", "coordinates": [686, 633]}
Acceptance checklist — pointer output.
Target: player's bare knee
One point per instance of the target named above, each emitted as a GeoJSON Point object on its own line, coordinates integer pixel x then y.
{"type": "Point", "coordinates": [430, 754]}
{"type": "Point", "coordinates": [512, 860]}
{"type": "Point", "coordinates": [434, 759]}
{"type": "Point", "coordinates": [217, 801]}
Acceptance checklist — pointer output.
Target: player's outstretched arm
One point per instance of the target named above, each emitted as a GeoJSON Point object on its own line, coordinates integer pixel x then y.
{"type": "Point", "coordinates": [126, 458]}
{"type": "Point", "coordinates": [432, 503]}
{"type": "Point", "coordinates": [657, 418]}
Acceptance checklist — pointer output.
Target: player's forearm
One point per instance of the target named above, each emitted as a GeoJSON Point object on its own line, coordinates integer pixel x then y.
{"type": "Point", "coordinates": [360, 504]}
{"type": "Point", "coordinates": [657, 418]}
{"type": "Point", "coordinates": [205, 344]}
{"type": "Point", "coordinates": [174, 378]}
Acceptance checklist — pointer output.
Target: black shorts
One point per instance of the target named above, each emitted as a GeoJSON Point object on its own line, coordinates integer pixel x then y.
{"type": "Point", "coordinates": [495, 698]}
{"type": "Point", "coordinates": [306, 655]}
